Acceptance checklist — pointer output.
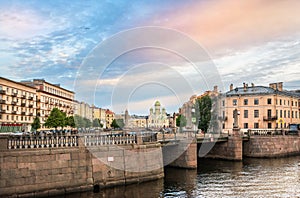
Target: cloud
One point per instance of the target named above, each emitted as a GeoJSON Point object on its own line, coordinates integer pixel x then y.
{"type": "Point", "coordinates": [225, 25]}
{"type": "Point", "coordinates": [271, 62]}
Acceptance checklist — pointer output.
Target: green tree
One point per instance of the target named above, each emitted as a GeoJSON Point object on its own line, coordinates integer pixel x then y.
{"type": "Point", "coordinates": [117, 123]}
{"type": "Point", "coordinates": [96, 122]}
{"type": "Point", "coordinates": [79, 123]}
{"type": "Point", "coordinates": [204, 105]}
{"type": "Point", "coordinates": [181, 121]}
{"type": "Point", "coordinates": [71, 121]}
{"type": "Point", "coordinates": [36, 124]}
{"type": "Point", "coordinates": [87, 122]}
{"type": "Point", "coordinates": [56, 119]}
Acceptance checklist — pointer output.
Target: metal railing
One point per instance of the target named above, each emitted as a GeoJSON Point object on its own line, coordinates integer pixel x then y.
{"type": "Point", "coordinates": [266, 132]}
{"type": "Point", "coordinates": [27, 142]}
{"type": "Point", "coordinates": [97, 139]}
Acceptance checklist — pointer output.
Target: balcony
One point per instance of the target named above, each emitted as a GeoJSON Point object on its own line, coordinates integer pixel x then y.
{"type": "Point", "coordinates": [2, 92]}
{"type": "Point", "coordinates": [270, 118]}
{"type": "Point", "coordinates": [14, 112]}
{"type": "Point", "coordinates": [23, 113]}
{"type": "Point", "coordinates": [30, 114]}
{"type": "Point", "coordinates": [14, 102]}
{"type": "Point", "coordinates": [30, 105]}
{"type": "Point", "coordinates": [2, 101]}
{"type": "Point", "coordinates": [23, 104]}
{"type": "Point", "coordinates": [2, 111]}
{"type": "Point", "coordinates": [23, 97]}
{"type": "Point", "coordinates": [15, 94]}
{"type": "Point", "coordinates": [30, 98]}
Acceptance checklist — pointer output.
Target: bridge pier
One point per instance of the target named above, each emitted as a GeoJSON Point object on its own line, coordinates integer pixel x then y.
{"type": "Point", "coordinates": [187, 155]}
{"type": "Point", "coordinates": [232, 149]}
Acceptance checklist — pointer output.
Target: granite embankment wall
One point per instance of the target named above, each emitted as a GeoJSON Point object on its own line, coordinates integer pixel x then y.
{"type": "Point", "coordinates": [34, 172]}
{"type": "Point", "coordinates": [230, 150]}
{"type": "Point", "coordinates": [271, 146]}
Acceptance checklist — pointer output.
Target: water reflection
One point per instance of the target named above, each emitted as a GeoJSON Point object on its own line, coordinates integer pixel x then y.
{"type": "Point", "coordinates": [217, 178]}
{"type": "Point", "coordinates": [180, 182]}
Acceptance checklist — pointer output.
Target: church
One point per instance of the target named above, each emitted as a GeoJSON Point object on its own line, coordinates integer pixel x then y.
{"type": "Point", "coordinates": [158, 117]}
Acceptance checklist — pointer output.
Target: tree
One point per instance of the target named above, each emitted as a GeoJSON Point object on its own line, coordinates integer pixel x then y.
{"type": "Point", "coordinates": [79, 122]}
{"type": "Point", "coordinates": [70, 121]}
{"type": "Point", "coordinates": [87, 122]}
{"type": "Point", "coordinates": [204, 105]}
{"type": "Point", "coordinates": [56, 119]}
{"type": "Point", "coordinates": [96, 122]}
{"type": "Point", "coordinates": [117, 123]}
{"type": "Point", "coordinates": [181, 121]}
{"type": "Point", "coordinates": [36, 123]}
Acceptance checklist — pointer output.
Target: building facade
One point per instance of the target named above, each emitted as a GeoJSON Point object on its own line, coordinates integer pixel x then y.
{"type": "Point", "coordinates": [51, 96]}
{"type": "Point", "coordinates": [262, 107]}
{"type": "Point", "coordinates": [99, 113]}
{"type": "Point", "coordinates": [18, 106]}
{"type": "Point", "coordinates": [110, 116]}
{"type": "Point", "coordinates": [84, 110]}
{"type": "Point", "coordinates": [158, 117]}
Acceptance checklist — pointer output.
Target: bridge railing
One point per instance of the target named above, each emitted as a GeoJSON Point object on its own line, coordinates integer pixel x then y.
{"type": "Point", "coordinates": [266, 132]}
{"type": "Point", "coordinates": [117, 139]}
{"type": "Point", "coordinates": [27, 142]}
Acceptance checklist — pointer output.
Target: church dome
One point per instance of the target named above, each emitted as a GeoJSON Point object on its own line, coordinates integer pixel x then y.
{"type": "Point", "coordinates": [157, 103]}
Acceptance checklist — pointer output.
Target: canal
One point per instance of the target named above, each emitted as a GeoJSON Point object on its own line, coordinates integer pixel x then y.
{"type": "Point", "coordinates": [217, 178]}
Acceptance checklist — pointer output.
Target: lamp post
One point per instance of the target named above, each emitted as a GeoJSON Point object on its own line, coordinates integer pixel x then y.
{"type": "Point", "coordinates": [194, 119]}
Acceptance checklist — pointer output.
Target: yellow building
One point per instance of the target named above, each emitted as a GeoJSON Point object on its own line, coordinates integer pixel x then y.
{"type": "Point", "coordinates": [110, 116]}
{"type": "Point", "coordinates": [50, 96]}
{"type": "Point", "coordinates": [99, 113]}
{"type": "Point", "coordinates": [17, 106]}
{"type": "Point", "coordinates": [261, 107]}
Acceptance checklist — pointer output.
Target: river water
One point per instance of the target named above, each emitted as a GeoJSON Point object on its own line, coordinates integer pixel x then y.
{"type": "Point", "coordinates": [217, 178]}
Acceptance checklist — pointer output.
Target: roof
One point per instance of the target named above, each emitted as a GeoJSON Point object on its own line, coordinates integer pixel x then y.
{"type": "Point", "coordinates": [260, 90]}
{"type": "Point", "coordinates": [19, 83]}
{"type": "Point", "coordinates": [109, 112]}
{"type": "Point", "coordinates": [157, 103]}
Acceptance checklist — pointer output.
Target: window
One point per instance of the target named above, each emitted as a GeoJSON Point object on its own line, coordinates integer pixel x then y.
{"type": "Point", "coordinates": [280, 102]}
{"type": "Point", "coordinates": [276, 113]}
{"type": "Point", "coordinates": [288, 113]}
{"type": "Point", "coordinates": [256, 101]}
{"type": "Point", "coordinates": [256, 113]}
{"type": "Point", "coordinates": [296, 114]}
{"type": "Point", "coordinates": [245, 125]}
{"type": "Point", "coordinates": [245, 101]}
{"type": "Point", "coordinates": [292, 114]}
{"type": "Point", "coordinates": [269, 101]}
{"type": "Point", "coordinates": [283, 102]}
{"type": "Point", "coordinates": [292, 103]}
{"type": "Point", "coordinates": [234, 102]}
{"type": "Point", "coordinates": [245, 113]}
{"type": "Point", "coordinates": [256, 126]}
{"type": "Point", "coordinates": [284, 114]}
{"type": "Point", "coordinates": [223, 103]}
{"type": "Point", "coordinates": [269, 125]}
{"type": "Point", "coordinates": [269, 113]}
{"type": "Point", "coordinates": [281, 113]}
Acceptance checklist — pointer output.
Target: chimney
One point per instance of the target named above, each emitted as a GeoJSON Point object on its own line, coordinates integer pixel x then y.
{"type": "Point", "coordinates": [245, 86]}
{"type": "Point", "coordinates": [215, 89]}
{"type": "Point", "coordinates": [252, 84]}
{"type": "Point", "coordinates": [231, 87]}
{"type": "Point", "coordinates": [280, 86]}
{"type": "Point", "coordinates": [273, 86]}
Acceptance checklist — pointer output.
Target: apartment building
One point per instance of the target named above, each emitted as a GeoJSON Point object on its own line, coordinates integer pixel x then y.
{"type": "Point", "coordinates": [51, 96]}
{"type": "Point", "coordinates": [110, 116]}
{"type": "Point", "coordinates": [262, 107]}
{"type": "Point", "coordinates": [18, 106]}
{"type": "Point", "coordinates": [99, 113]}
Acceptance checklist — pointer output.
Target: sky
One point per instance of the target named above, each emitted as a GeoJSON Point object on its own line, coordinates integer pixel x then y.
{"type": "Point", "coordinates": [125, 55]}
